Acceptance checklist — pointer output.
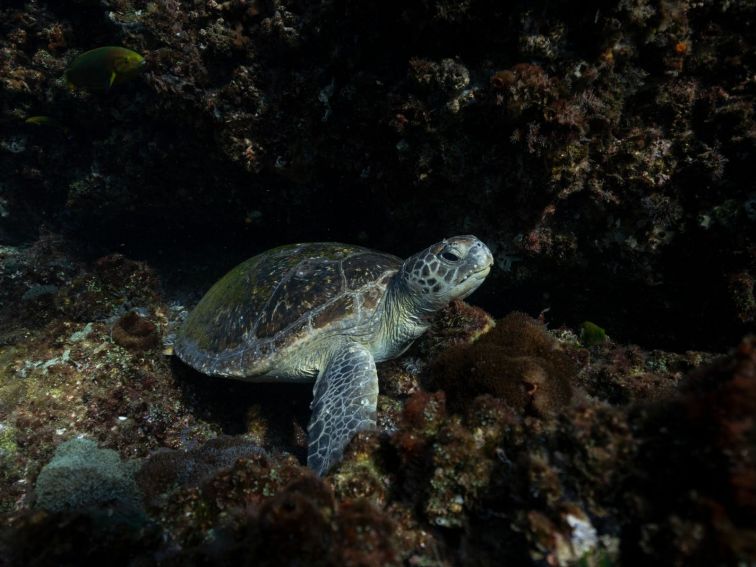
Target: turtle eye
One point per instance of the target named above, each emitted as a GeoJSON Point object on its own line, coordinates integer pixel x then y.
{"type": "Point", "coordinates": [449, 256]}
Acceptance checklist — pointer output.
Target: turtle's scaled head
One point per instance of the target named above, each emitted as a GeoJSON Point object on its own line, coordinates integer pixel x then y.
{"type": "Point", "coordinates": [448, 270]}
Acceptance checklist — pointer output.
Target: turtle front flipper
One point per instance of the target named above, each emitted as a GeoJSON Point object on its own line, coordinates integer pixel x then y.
{"type": "Point", "coordinates": [344, 402]}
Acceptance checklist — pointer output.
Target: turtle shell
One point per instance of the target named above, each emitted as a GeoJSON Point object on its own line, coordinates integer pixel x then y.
{"type": "Point", "coordinates": [274, 304]}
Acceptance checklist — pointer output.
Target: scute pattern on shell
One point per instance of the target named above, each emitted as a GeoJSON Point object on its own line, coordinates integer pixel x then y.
{"type": "Point", "coordinates": [279, 299]}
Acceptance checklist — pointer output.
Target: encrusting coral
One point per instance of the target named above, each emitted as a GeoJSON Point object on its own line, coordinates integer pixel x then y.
{"type": "Point", "coordinates": [133, 331]}
{"type": "Point", "coordinates": [695, 476]}
{"type": "Point", "coordinates": [82, 476]}
{"type": "Point", "coordinates": [600, 153]}
{"type": "Point", "coordinates": [517, 361]}
{"type": "Point", "coordinates": [605, 147]}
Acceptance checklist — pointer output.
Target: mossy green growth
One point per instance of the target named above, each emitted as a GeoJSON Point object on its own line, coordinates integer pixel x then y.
{"type": "Point", "coordinates": [12, 390]}
{"type": "Point", "coordinates": [8, 445]}
{"type": "Point", "coordinates": [591, 334]}
{"type": "Point", "coordinates": [245, 289]}
{"type": "Point", "coordinates": [12, 468]}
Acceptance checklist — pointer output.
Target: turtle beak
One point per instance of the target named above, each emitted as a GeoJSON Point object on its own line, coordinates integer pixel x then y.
{"type": "Point", "coordinates": [481, 257]}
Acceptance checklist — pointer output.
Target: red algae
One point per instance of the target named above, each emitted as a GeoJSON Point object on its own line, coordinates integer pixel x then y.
{"type": "Point", "coordinates": [135, 332]}
{"type": "Point", "coordinates": [600, 155]}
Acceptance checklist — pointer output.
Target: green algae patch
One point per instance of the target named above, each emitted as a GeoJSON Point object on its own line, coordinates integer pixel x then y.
{"type": "Point", "coordinates": [12, 390]}
{"type": "Point", "coordinates": [234, 302]}
{"type": "Point", "coordinates": [591, 334]}
{"type": "Point", "coordinates": [8, 445]}
{"type": "Point", "coordinates": [11, 462]}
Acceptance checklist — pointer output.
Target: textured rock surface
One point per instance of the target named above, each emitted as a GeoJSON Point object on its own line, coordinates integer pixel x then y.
{"type": "Point", "coordinates": [511, 443]}
{"type": "Point", "coordinates": [602, 150]}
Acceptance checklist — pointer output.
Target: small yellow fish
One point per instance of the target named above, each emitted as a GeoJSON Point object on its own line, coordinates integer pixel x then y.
{"type": "Point", "coordinates": [47, 121]}
{"type": "Point", "coordinates": [591, 334]}
{"type": "Point", "coordinates": [43, 121]}
{"type": "Point", "coordinates": [99, 69]}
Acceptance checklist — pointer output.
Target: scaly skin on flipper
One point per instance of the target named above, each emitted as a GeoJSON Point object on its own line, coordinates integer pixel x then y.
{"type": "Point", "coordinates": [344, 402]}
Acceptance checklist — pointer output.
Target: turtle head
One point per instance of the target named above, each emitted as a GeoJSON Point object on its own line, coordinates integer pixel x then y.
{"type": "Point", "coordinates": [448, 270]}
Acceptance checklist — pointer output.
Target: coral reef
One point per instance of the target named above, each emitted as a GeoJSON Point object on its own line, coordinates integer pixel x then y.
{"type": "Point", "coordinates": [506, 442]}
{"type": "Point", "coordinates": [704, 473]}
{"type": "Point", "coordinates": [168, 469]}
{"type": "Point", "coordinates": [458, 323]}
{"type": "Point", "coordinates": [518, 361]}
{"type": "Point", "coordinates": [602, 151]}
{"type": "Point", "coordinates": [135, 332]}
{"type": "Point", "coordinates": [81, 476]}
{"type": "Point", "coordinates": [599, 150]}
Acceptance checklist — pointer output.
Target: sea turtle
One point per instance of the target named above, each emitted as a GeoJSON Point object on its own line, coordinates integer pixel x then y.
{"type": "Point", "coordinates": [326, 312]}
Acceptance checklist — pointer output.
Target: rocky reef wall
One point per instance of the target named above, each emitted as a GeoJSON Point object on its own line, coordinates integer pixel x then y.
{"type": "Point", "coordinates": [602, 149]}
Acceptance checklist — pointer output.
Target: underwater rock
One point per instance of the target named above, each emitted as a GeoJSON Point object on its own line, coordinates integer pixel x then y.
{"type": "Point", "coordinates": [460, 472]}
{"type": "Point", "coordinates": [366, 536]}
{"type": "Point", "coordinates": [457, 323]}
{"type": "Point", "coordinates": [622, 374]}
{"type": "Point", "coordinates": [81, 477]}
{"type": "Point", "coordinates": [268, 509]}
{"type": "Point", "coordinates": [132, 331]}
{"type": "Point", "coordinates": [298, 521]}
{"type": "Point", "coordinates": [424, 414]}
{"type": "Point", "coordinates": [39, 537]}
{"type": "Point", "coordinates": [363, 474]}
{"type": "Point", "coordinates": [167, 469]}
{"type": "Point", "coordinates": [697, 456]}
{"type": "Point", "coordinates": [39, 291]}
{"type": "Point", "coordinates": [517, 361]}
{"type": "Point", "coordinates": [221, 497]}
{"type": "Point", "coordinates": [113, 283]}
